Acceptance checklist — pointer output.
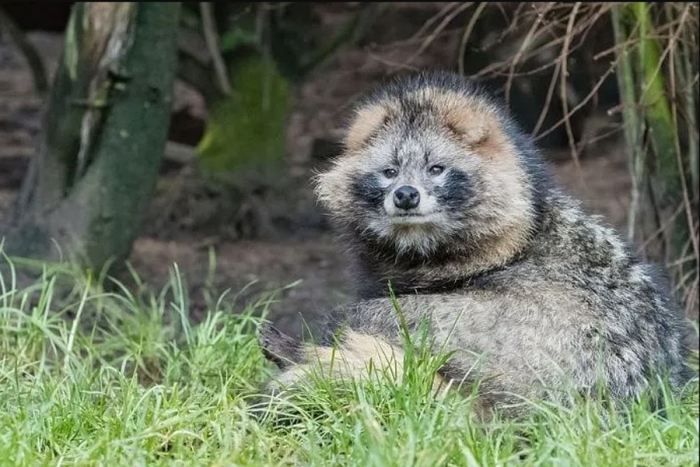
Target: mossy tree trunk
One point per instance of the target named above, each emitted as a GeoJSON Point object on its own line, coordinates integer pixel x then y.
{"type": "Point", "coordinates": [104, 131]}
{"type": "Point", "coordinates": [657, 71]}
{"type": "Point", "coordinates": [659, 172]}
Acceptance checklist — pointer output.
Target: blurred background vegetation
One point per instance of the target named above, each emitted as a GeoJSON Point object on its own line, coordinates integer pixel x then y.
{"type": "Point", "coordinates": [609, 90]}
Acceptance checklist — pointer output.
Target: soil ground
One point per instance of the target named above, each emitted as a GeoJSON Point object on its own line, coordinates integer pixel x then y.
{"type": "Point", "coordinates": [273, 235]}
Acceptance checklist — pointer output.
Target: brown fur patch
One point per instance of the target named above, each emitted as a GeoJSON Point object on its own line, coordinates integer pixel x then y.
{"type": "Point", "coordinates": [488, 153]}
{"type": "Point", "coordinates": [367, 122]}
{"type": "Point", "coordinates": [466, 125]}
{"type": "Point", "coordinates": [470, 120]}
{"type": "Point", "coordinates": [479, 130]}
{"type": "Point", "coordinates": [358, 353]}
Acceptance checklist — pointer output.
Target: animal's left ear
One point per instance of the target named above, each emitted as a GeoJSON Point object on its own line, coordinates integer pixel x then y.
{"type": "Point", "coordinates": [470, 124]}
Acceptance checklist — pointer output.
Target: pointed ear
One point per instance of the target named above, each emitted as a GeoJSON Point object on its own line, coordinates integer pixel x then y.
{"type": "Point", "coordinates": [470, 124]}
{"type": "Point", "coordinates": [367, 122]}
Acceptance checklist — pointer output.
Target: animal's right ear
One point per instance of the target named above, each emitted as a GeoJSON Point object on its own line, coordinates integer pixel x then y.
{"type": "Point", "coordinates": [367, 122]}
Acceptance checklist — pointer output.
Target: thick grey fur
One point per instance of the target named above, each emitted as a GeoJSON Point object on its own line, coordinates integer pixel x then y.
{"type": "Point", "coordinates": [575, 308]}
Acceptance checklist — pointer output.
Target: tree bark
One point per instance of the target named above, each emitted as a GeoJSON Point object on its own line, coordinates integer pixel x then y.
{"type": "Point", "coordinates": [104, 132]}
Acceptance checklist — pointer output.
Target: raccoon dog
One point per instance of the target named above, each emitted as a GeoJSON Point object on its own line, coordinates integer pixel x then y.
{"type": "Point", "coordinates": [439, 194]}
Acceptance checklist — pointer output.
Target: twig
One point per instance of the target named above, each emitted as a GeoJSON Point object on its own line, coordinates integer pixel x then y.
{"type": "Point", "coordinates": [583, 102]}
{"type": "Point", "coordinates": [212, 40]}
{"type": "Point", "coordinates": [437, 31]}
{"type": "Point", "coordinates": [443, 11]}
{"type": "Point", "coordinates": [30, 54]}
{"type": "Point", "coordinates": [665, 52]}
{"type": "Point", "coordinates": [677, 146]}
{"type": "Point", "coordinates": [548, 29]}
{"type": "Point", "coordinates": [345, 35]}
{"type": "Point", "coordinates": [576, 108]}
{"type": "Point", "coordinates": [631, 124]}
{"type": "Point", "coordinates": [660, 230]}
{"type": "Point", "coordinates": [563, 82]}
{"type": "Point", "coordinates": [523, 47]}
{"type": "Point", "coordinates": [547, 103]}
{"type": "Point", "coordinates": [502, 65]}
{"type": "Point", "coordinates": [693, 152]}
{"type": "Point", "coordinates": [467, 34]}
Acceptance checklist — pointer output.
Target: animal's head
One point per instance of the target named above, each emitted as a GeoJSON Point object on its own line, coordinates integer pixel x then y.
{"type": "Point", "coordinates": [431, 162]}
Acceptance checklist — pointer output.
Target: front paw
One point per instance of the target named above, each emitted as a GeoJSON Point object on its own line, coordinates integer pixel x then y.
{"type": "Point", "coordinates": [277, 347]}
{"type": "Point", "coordinates": [290, 380]}
{"type": "Point", "coordinates": [288, 355]}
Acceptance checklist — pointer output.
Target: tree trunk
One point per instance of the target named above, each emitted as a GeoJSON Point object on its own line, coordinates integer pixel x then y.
{"type": "Point", "coordinates": [104, 131]}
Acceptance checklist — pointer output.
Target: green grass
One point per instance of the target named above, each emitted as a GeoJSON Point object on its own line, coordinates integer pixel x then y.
{"type": "Point", "coordinates": [89, 377]}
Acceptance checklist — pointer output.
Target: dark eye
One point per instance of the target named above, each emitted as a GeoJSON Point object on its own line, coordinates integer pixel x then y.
{"type": "Point", "coordinates": [436, 170]}
{"type": "Point", "coordinates": [390, 173]}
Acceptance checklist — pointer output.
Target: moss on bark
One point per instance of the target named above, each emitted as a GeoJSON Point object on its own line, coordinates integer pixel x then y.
{"type": "Point", "coordinates": [104, 133]}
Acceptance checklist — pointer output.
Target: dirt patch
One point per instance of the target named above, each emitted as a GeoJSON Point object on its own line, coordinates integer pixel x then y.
{"type": "Point", "coordinates": [292, 241]}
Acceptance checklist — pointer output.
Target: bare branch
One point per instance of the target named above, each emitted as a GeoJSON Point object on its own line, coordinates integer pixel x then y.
{"type": "Point", "coordinates": [211, 38]}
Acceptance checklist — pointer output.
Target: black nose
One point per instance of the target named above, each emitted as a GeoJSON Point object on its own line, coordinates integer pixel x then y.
{"type": "Point", "coordinates": [406, 197]}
